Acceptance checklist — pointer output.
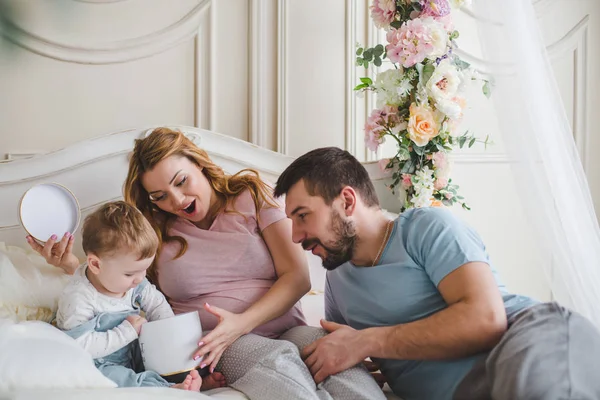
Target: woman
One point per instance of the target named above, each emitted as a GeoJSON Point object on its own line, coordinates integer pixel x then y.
{"type": "Point", "coordinates": [227, 252]}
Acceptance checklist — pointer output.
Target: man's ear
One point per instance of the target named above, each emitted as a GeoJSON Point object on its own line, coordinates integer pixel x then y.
{"type": "Point", "coordinates": [94, 263]}
{"type": "Point", "coordinates": [349, 199]}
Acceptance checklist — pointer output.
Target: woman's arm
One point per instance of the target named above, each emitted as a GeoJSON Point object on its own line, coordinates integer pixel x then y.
{"type": "Point", "coordinates": [293, 279]}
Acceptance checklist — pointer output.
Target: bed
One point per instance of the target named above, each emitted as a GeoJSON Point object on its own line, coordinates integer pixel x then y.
{"type": "Point", "coordinates": [94, 171]}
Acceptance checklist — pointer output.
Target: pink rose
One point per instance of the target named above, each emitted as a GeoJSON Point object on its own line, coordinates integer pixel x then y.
{"type": "Point", "coordinates": [383, 12]}
{"type": "Point", "coordinates": [440, 160]}
{"type": "Point", "coordinates": [406, 181]}
{"type": "Point", "coordinates": [377, 125]}
{"type": "Point", "coordinates": [383, 165]}
{"type": "Point", "coordinates": [440, 183]}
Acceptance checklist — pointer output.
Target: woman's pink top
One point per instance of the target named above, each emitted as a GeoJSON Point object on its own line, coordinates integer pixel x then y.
{"type": "Point", "coordinates": [228, 266]}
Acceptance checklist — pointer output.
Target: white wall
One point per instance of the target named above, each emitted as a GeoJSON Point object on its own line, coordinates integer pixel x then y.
{"type": "Point", "coordinates": [277, 73]}
{"type": "Point", "coordinates": [268, 71]}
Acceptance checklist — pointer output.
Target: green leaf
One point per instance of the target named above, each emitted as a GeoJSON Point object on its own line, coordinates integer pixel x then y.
{"type": "Point", "coordinates": [460, 64]}
{"type": "Point", "coordinates": [361, 86]}
{"type": "Point", "coordinates": [466, 207]}
{"type": "Point", "coordinates": [377, 61]}
{"type": "Point", "coordinates": [408, 167]}
{"type": "Point", "coordinates": [454, 35]}
{"type": "Point", "coordinates": [366, 80]}
{"type": "Point", "coordinates": [403, 153]}
{"type": "Point", "coordinates": [428, 70]}
{"type": "Point", "coordinates": [417, 7]}
{"type": "Point", "coordinates": [472, 142]}
{"type": "Point", "coordinates": [396, 24]}
{"type": "Point", "coordinates": [419, 150]}
{"type": "Point", "coordinates": [461, 141]}
{"type": "Point", "coordinates": [359, 51]}
{"type": "Point", "coordinates": [378, 50]}
{"type": "Point", "coordinates": [486, 89]}
{"type": "Point", "coordinates": [368, 54]}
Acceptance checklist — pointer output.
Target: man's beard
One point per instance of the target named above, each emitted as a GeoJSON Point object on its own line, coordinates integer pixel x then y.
{"type": "Point", "coordinates": [339, 250]}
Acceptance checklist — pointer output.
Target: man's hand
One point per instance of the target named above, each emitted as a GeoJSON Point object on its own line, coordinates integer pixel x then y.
{"type": "Point", "coordinates": [334, 353]}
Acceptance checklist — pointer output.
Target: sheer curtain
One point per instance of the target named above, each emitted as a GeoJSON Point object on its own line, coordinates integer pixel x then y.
{"type": "Point", "coordinates": [537, 136]}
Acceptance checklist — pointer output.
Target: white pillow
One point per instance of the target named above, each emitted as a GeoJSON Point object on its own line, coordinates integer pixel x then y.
{"type": "Point", "coordinates": [36, 355]}
{"type": "Point", "coordinates": [29, 287]}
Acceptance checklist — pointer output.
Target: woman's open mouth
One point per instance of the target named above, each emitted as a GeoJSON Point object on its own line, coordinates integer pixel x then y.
{"type": "Point", "coordinates": [189, 210]}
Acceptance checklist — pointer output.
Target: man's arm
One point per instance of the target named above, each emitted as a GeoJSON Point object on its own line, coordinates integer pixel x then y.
{"type": "Point", "coordinates": [474, 321]}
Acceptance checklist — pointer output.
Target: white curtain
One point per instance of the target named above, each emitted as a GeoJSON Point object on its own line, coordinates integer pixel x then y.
{"type": "Point", "coordinates": [537, 136]}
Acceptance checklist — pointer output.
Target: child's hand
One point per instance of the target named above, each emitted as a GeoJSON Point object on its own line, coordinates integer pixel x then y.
{"type": "Point", "coordinates": [137, 322]}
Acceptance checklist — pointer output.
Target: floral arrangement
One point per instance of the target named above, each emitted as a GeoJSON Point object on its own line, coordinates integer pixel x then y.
{"type": "Point", "coordinates": [420, 101]}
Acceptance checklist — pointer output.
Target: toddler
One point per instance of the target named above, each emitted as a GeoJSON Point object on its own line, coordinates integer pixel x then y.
{"type": "Point", "coordinates": [100, 307]}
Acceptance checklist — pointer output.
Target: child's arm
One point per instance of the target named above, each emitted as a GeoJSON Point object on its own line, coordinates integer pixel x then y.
{"type": "Point", "coordinates": [155, 305]}
{"type": "Point", "coordinates": [75, 309]}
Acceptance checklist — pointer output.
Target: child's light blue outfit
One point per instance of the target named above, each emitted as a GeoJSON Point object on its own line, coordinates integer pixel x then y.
{"type": "Point", "coordinates": [99, 324]}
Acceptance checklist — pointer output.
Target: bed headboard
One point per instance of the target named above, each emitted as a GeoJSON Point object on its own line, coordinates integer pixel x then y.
{"type": "Point", "coordinates": [95, 169]}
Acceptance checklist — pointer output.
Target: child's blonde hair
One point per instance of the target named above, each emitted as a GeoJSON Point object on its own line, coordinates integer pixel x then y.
{"type": "Point", "coordinates": [118, 226]}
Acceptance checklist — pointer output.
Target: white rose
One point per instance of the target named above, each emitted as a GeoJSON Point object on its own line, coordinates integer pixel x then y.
{"type": "Point", "coordinates": [439, 37]}
{"type": "Point", "coordinates": [443, 87]}
{"type": "Point", "coordinates": [449, 107]}
{"type": "Point", "coordinates": [386, 84]}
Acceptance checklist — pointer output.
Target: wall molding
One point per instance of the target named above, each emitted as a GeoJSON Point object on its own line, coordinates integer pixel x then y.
{"type": "Point", "coordinates": [282, 25]}
{"type": "Point", "coordinates": [260, 80]}
{"type": "Point", "coordinates": [575, 43]}
{"type": "Point", "coordinates": [480, 158]}
{"type": "Point", "coordinates": [111, 52]}
{"type": "Point", "coordinates": [203, 70]}
{"type": "Point", "coordinates": [373, 38]}
{"type": "Point", "coordinates": [99, 1]}
{"type": "Point", "coordinates": [350, 98]}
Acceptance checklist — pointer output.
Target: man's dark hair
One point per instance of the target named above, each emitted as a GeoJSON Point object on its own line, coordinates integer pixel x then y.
{"type": "Point", "coordinates": [326, 171]}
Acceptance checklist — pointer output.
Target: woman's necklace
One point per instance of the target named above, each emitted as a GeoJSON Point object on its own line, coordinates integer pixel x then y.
{"type": "Point", "coordinates": [385, 238]}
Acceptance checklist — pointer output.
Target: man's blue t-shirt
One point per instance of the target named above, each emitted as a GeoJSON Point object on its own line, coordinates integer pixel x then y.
{"type": "Point", "coordinates": [425, 245]}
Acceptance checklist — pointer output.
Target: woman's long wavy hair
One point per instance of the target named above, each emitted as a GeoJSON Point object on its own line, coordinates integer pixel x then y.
{"type": "Point", "coordinates": [165, 142]}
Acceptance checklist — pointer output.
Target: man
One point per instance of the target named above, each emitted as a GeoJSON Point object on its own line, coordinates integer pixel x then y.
{"type": "Point", "coordinates": [419, 296]}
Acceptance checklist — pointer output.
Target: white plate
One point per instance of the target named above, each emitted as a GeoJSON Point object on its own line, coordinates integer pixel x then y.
{"type": "Point", "coordinates": [49, 209]}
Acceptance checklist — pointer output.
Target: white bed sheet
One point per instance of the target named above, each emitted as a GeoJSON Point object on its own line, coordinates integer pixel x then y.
{"type": "Point", "coordinates": [130, 394]}
{"type": "Point", "coordinates": [123, 393]}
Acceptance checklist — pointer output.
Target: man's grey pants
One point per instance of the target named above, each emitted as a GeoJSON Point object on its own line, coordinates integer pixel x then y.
{"type": "Point", "coordinates": [548, 352]}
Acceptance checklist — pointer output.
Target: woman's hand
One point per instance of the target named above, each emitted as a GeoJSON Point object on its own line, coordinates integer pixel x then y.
{"type": "Point", "coordinates": [56, 253]}
{"type": "Point", "coordinates": [231, 326]}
